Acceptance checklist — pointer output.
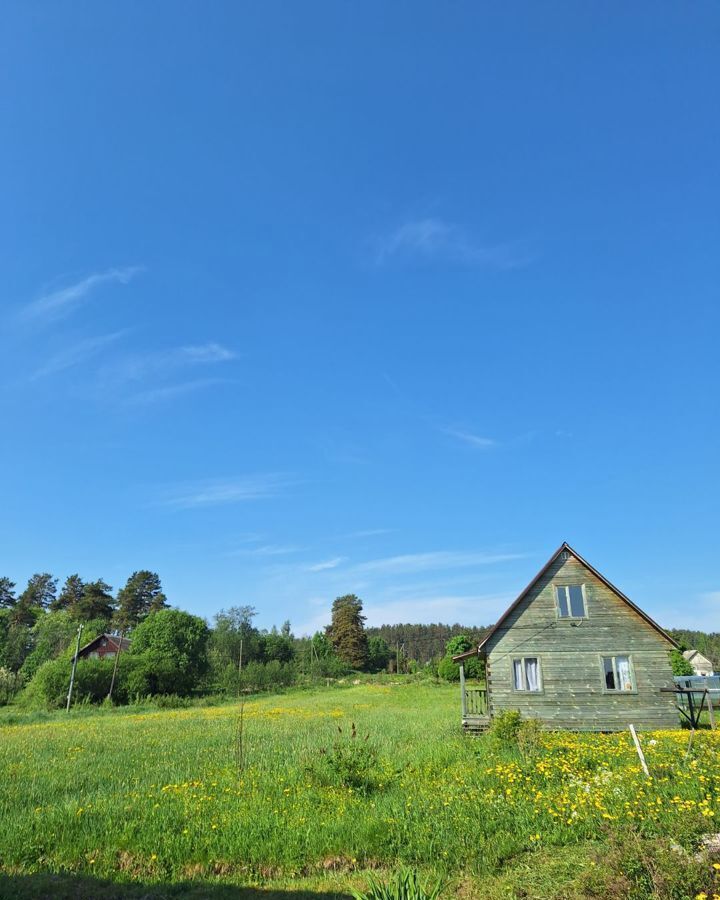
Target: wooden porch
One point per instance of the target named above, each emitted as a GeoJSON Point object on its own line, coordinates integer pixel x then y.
{"type": "Point", "coordinates": [475, 709]}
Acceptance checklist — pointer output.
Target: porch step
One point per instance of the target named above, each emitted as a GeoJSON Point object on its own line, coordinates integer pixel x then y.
{"type": "Point", "coordinates": [475, 724]}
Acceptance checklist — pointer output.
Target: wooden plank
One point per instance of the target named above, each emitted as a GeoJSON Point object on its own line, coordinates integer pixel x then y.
{"type": "Point", "coordinates": [639, 749]}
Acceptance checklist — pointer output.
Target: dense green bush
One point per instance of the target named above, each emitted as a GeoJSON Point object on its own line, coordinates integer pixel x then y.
{"type": "Point", "coordinates": [266, 676]}
{"type": "Point", "coordinates": [49, 686]}
{"type": "Point", "coordinates": [506, 726]}
{"type": "Point", "coordinates": [449, 670]}
{"type": "Point", "coordinates": [680, 666]}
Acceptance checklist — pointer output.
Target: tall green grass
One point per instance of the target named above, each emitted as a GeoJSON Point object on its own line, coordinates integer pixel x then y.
{"type": "Point", "coordinates": [271, 791]}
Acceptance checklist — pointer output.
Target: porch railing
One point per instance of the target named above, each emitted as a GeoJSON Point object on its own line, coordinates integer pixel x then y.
{"type": "Point", "coordinates": [475, 702]}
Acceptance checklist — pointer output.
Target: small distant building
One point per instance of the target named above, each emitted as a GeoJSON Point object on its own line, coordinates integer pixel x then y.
{"type": "Point", "coordinates": [104, 646]}
{"type": "Point", "coordinates": [701, 664]}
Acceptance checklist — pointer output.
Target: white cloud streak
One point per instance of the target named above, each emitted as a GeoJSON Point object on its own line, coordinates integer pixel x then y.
{"type": "Point", "coordinates": [170, 391]}
{"type": "Point", "coordinates": [437, 240]}
{"type": "Point", "coordinates": [62, 302]}
{"type": "Point", "coordinates": [166, 362]}
{"type": "Point", "coordinates": [227, 491]}
{"type": "Point", "coordinates": [474, 440]}
{"type": "Point", "coordinates": [326, 564]}
{"type": "Point", "coordinates": [268, 550]}
{"type": "Point", "coordinates": [77, 354]}
{"type": "Point", "coordinates": [426, 562]}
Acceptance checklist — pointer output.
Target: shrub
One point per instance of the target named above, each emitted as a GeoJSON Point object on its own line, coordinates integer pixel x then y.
{"type": "Point", "coordinates": [351, 762]}
{"type": "Point", "coordinates": [449, 670]}
{"type": "Point", "coordinates": [405, 886]}
{"type": "Point", "coordinates": [680, 666]}
{"type": "Point", "coordinates": [269, 676]}
{"type": "Point", "coordinates": [49, 686]}
{"type": "Point", "coordinates": [505, 727]}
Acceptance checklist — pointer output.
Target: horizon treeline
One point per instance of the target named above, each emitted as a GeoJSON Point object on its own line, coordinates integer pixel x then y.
{"type": "Point", "coordinates": [173, 651]}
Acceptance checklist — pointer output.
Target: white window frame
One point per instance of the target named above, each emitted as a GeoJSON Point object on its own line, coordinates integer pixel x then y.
{"type": "Point", "coordinates": [567, 587]}
{"type": "Point", "coordinates": [617, 690]}
{"type": "Point", "coordinates": [524, 689]}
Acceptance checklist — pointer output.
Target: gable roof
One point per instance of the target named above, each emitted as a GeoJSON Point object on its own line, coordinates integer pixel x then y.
{"type": "Point", "coordinates": [115, 640]}
{"type": "Point", "coordinates": [564, 548]}
{"type": "Point", "coordinates": [696, 656]}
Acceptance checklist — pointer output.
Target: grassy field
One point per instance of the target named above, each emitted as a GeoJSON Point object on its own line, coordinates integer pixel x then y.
{"type": "Point", "coordinates": [140, 803]}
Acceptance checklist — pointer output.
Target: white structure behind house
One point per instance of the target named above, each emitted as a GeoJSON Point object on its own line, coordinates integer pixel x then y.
{"type": "Point", "coordinates": [701, 664]}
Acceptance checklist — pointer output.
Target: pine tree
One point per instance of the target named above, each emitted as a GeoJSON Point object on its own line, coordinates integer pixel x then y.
{"type": "Point", "coordinates": [40, 591]}
{"type": "Point", "coordinates": [141, 596]}
{"type": "Point", "coordinates": [7, 593]}
{"type": "Point", "coordinates": [346, 631]}
{"type": "Point", "coordinates": [70, 596]}
{"type": "Point", "coordinates": [96, 602]}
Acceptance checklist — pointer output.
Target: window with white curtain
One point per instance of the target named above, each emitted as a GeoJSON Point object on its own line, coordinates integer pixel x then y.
{"type": "Point", "coordinates": [618, 673]}
{"type": "Point", "coordinates": [571, 601]}
{"type": "Point", "coordinates": [526, 674]}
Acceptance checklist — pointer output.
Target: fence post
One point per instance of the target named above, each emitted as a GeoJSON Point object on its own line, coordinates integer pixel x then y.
{"type": "Point", "coordinates": [463, 698]}
{"type": "Point", "coordinates": [639, 750]}
{"type": "Point", "coordinates": [711, 712]}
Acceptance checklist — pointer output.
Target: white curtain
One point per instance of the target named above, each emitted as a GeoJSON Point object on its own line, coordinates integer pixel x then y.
{"type": "Point", "coordinates": [518, 675]}
{"type": "Point", "coordinates": [623, 673]}
{"type": "Point", "coordinates": [532, 675]}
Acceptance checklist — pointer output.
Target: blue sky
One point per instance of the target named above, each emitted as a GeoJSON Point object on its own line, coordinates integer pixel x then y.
{"type": "Point", "coordinates": [304, 299]}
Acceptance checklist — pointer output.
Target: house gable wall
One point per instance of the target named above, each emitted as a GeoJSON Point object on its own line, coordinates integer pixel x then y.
{"type": "Point", "coordinates": [570, 652]}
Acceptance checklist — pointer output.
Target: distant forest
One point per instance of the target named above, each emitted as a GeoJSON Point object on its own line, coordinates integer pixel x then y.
{"type": "Point", "coordinates": [427, 642]}
{"type": "Point", "coordinates": [707, 644]}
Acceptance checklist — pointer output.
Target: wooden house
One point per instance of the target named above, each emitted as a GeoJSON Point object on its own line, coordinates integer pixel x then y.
{"type": "Point", "coordinates": [701, 664]}
{"type": "Point", "coordinates": [104, 646]}
{"type": "Point", "coordinates": [576, 653]}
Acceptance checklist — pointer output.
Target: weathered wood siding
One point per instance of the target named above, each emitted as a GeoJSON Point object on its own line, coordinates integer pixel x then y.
{"type": "Point", "coordinates": [570, 651]}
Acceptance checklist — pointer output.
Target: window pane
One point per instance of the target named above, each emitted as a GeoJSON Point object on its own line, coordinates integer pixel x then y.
{"type": "Point", "coordinates": [531, 674]}
{"type": "Point", "coordinates": [622, 664]}
{"type": "Point", "coordinates": [577, 607]}
{"type": "Point", "coordinates": [609, 673]}
{"type": "Point", "coordinates": [518, 674]}
{"type": "Point", "coordinates": [562, 601]}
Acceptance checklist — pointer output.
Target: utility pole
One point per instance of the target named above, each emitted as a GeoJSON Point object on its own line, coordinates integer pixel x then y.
{"type": "Point", "coordinates": [240, 663]}
{"type": "Point", "coordinates": [74, 666]}
{"type": "Point", "coordinates": [115, 667]}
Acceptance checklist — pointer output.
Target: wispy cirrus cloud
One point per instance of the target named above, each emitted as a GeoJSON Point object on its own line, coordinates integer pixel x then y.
{"type": "Point", "coordinates": [326, 564]}
{"type": "Point", "coordinates": [467, 437]}
{"type": "Point", "coordinates": [170, 391]}
{"type": "Point", "coordinates": [77, 354]}
{"type": "Point", "coordinates": [218, 492]}
{"type": "Point", "coordinates": [161, 375]}
{"type": "Point", "coordinates": [435, 560]}
{"type": "Point", "coordinates": [163, 363]}
{"type": "Point", "coordinates": [58, 303]}
{"type": "Point", "coordinates": [437, 240]}
{"type": "Point", "coordinates": [267, 550]}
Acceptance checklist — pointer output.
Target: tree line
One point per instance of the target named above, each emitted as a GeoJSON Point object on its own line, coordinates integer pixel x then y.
{"type": "Point", "coordinates": [174, 652]}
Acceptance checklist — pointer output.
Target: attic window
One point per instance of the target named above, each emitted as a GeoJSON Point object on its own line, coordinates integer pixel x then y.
{"type": "Point", "coordinates": [571, 601]}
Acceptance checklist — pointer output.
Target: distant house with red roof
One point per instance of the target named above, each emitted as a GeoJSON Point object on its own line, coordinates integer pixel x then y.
{"type": "Point", "coordinates": [104, 646]}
